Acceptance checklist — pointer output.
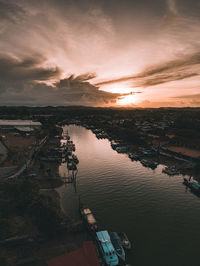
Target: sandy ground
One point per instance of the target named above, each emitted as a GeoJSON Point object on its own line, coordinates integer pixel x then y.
{"type": "Point", "coordinates": [19, 142]}
{"type": "Point", "coordinates": [19, 147]}
{"type": "Point", "coordinates": [185, 151]}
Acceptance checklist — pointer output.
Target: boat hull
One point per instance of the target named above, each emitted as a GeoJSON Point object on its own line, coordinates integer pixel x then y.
{"type": "Point", "coordinates": [117, 245]}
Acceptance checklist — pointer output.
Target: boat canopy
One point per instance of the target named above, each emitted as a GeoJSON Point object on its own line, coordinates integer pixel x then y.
{"type": "Point", "coordinates": [91, 219]}
{"type": "Point", "coordinates": [86, 211]}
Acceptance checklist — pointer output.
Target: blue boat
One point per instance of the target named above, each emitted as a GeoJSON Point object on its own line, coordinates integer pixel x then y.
{"type": "Point", "coordinates": [107, 248]}
{"type": "Point", "coordinates": [193, 185]}
{"type": "Point", "coordinates": [117, 245]}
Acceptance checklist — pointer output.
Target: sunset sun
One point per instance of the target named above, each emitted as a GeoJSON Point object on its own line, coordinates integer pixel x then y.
{"type": "Point", "coordinates": [127, 100]}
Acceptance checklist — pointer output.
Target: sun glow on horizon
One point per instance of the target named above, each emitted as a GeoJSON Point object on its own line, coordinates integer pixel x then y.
{"type": "Point", "coordinates": [117, 88]}
{"type": "Point", "coordinates": [131, 99]}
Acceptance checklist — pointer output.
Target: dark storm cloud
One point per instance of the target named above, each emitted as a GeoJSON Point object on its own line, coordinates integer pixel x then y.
{"type": "Point", "coordinates": [26, 80]}
{"type": "Point", "coordinates": [10, 11]}
{"type": "Point", "coordinates": [13, 69]}
{"type": "Point", "coordinates": [174, 70]}
{"type": "Point", "coordinates": [79, 90]}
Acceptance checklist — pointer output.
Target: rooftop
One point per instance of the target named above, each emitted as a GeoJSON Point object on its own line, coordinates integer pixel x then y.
{"type": "Point", "coordinates": [19, 123]}
{"type": "Point", "coordinates": [85, 256]}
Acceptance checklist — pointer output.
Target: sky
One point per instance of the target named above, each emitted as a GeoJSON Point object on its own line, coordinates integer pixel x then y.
{"type": "Point", "coordinates": [136, 53]}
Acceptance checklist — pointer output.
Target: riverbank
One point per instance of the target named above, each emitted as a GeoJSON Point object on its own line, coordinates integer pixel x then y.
{"type": "Point", "coordinates": [36, 227]}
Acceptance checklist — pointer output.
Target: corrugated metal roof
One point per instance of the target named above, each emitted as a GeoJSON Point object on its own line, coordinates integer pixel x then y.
{"type": "Point", "coordinates": [19, 123]}
{"type": "Point", "coordinates": [25, 129]}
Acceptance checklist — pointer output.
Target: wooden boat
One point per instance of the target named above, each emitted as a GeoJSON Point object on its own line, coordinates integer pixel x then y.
{"type": "Point", "coordinates": [131, 156]}
{"type": "Point", "coordinates": [71, 166]}
{"type": "Point", "coordinates": [89, 219]}
{"type": "Point", "coordinates": [75, 159]}
{"type": "Point", "coordinates": [117, 245]}
{"type": "Point", "coordinates": [170, 170]}
{"type": "Point", "coordinates": [125, 241]}
{"type": "Point", "coordinates": [148, 163]}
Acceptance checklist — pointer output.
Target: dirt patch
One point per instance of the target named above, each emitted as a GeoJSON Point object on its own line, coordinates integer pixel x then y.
{"type": "Point", "coordinates": [19, 142]}
{"type": "Point", "coordinates": [18, 149]}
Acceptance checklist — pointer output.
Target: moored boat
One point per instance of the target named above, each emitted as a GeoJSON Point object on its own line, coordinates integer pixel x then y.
{"type": "Point", "coordinates": [131, 156]}
{"type": "Point", "coordinates": [69, 158]}
{"type": "Point", "coordinates": [75, 158]}
{"type": "Point", "coordinates": [89, 219]}
{"type": "Point", "coordinates": [71, 166]}
{"type": "Point", "coordinates": [106, 248]}
{"type": "Point", "coordinates": [124, 240]}
{"type": "Point", "coordinates": [193, 185]}
{"type": "Point", "coordinates": [148, 163]}
{"type": "Point", "coordinates": [117, 245]}
{"type": "Point", "coordinates": [170, 170]}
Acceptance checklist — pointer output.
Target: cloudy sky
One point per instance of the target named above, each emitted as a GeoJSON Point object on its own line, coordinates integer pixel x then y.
{"type": "Point", "coordinates": [142, 53]}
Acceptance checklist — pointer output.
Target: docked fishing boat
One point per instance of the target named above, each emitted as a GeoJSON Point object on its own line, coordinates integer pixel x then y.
{"type": "Point", "coordinates": [193, 185]}
{"type": "Point", "coordinates": [75, 159]}
{"type": "Point", "coordinates": [71, 166]}
{"type": "Point", "coordinates": [149, 164]}
{"type": "Point", "coordinates": [107, 249]}
{"type": "Point", "coordinates": [117, 245]}
{"type": "Point", "coordinates": [136, 157]}
{"type": "Point", "coordinates": [114, 144]}
{"type": "Point", "coordinates": [71, 145]}
{"type": "Point", "coordinates": [69, 158]}
{"type": "Point", "coordinates": [171, 170]}
{"type": "Point", "coordinates": [68, 151]}
{"type": "Point", "coordinates": [131, 156]}
{"type": "Point", "coordinates": [89, 219]}
{"type": "Point", "coordinates": [124, 240]}
{"type": "Point", "coordinates": [122, 149]}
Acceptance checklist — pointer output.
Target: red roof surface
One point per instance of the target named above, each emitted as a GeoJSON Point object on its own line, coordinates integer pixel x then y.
{"type": "Point", "coordinates": [85, 256]}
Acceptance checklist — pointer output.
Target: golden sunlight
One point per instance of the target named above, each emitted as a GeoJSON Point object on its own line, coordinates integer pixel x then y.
{"type": "Point", "coordinates": [116, 88]}
{"type": "Point", "coordinates": [127, 100]}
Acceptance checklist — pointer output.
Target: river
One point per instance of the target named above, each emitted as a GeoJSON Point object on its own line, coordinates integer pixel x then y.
{"type": "Point", "coordinates": [159, 215]}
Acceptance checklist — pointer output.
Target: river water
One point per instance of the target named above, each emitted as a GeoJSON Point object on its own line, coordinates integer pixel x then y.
{"type": "Point", "coordinates": [159, 215]}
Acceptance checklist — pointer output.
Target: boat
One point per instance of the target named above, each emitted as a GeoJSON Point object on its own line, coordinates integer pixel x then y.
{"type": "Point", "coordinates": [114, 144]}
{"type": "Point", "coordinates": [124, 240]}
{"type": "Point", "coordinates": [193, 185]}
{"type": "Point", "coordinates": [131, 156]}
{"type": "Point", "coordinates": [106, 248]}
{"type": "Point", "coordinates": [135, 157]}
{"type": "Point", "coordinates": [117, 245]}
{"type": "Point", "coordinates": [71, 145]}
{"type": "Point", "coordinates": [148, 163]}
{"type": "Point", "coordinates": [170, 170]}
{"type": "Point", "coordinates": [69, 158]}
{"type": "Point", "coordinates": [75, 159]}
{"type": "Point", "coordinates": [122, 149]}
{"type": "Point", "coordinates": [71, 166]}
{"type": "Point", "coordinates": [89, 219]}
